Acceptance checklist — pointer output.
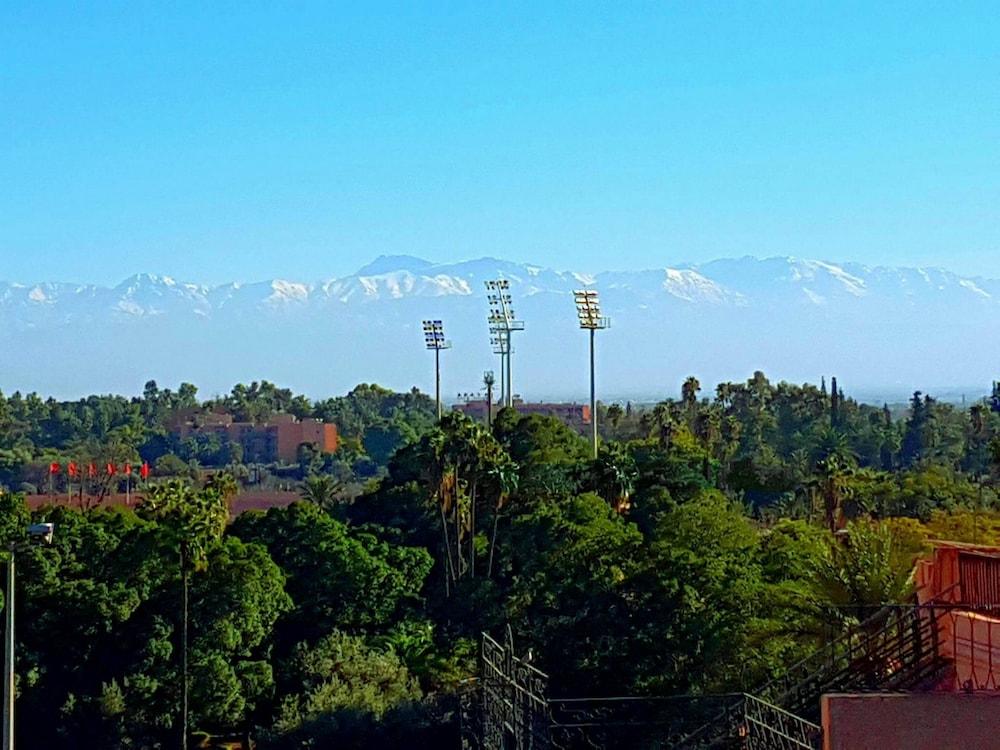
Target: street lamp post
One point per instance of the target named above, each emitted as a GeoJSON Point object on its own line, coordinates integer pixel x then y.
{"type": "Point", "coordinates": [488, 381]}
{"type": "Point", "coordinates": [435, 341]}
{"type": "Point", "coordinates": [41, 532]}
{"type": "Point", "coordinates": [588, 311]}
{"type": "Point", "coordinates": [502, 324]}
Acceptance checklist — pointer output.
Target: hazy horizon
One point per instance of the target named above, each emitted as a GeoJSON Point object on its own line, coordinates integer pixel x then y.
{"type": "Point", "coordinates": [794, 319]}
{"type": "Point", "coordinates": [193, 278]}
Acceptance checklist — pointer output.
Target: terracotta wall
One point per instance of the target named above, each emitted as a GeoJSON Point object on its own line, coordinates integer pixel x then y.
{"type": "Point", "coordinates": [918, 721]}
{"type": "Point", "coordinates": [972, 642]}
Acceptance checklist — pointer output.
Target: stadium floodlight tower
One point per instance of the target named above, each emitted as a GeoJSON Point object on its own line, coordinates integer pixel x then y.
{"type": "Point", "coordinates": [499, 343]}
{"type": "Point", "coordinates": [502, 325]}
{"type": "Point", "coordinates": [434, 338]}
{"type": "Point", "coordinates": [588, 311]}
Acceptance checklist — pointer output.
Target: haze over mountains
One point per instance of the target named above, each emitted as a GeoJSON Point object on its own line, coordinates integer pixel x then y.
{"type": "Point", "coordinates": [882, 331]}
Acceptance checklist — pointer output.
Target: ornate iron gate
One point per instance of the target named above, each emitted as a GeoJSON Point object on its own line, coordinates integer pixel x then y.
{"type": "Point", "coordinates": [515, 712]}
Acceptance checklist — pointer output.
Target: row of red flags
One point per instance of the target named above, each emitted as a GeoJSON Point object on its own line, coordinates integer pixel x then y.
{"type": "Point", "coordinates": [74, 470]}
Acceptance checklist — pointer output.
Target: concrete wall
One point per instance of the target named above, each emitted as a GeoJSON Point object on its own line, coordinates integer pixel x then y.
{"type": "Point", "coordinates": [919, 721]}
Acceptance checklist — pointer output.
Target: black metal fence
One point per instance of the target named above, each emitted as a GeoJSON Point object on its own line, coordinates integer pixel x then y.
{"type": "Point", "coordinates": [508, 708]}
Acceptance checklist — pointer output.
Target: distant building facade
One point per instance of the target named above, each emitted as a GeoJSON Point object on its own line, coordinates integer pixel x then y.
{"type": "Point", "coordinates": [576, 416]}
{"type": "Point", "coordinates": [278, 439]}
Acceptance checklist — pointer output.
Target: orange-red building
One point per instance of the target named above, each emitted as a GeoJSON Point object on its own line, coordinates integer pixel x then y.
{"type": "Point", "coordinates": [958, 595]}
{"type": "Point", "coordinates": [964, 579]}
{"type": "Point", "coordinates": [278, 439]}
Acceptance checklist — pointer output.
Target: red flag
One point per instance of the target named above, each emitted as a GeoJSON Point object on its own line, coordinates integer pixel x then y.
{"type": "Point", "coordinates": [144, 471]}
{"type": "Point", "coordinates": [71, 469]}
{"type": "Point", "coordinates": [92, 471]}
{"type": "Point", "coordinates": [110, 470]}
{"type": "Point", "coordinates": [127, 469]}
{"type": "Point", "coordinates": [53, 468]}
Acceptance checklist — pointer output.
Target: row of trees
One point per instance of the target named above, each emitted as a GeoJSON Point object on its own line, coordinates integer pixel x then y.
{"type": "Point", "coordinates": [697, 553]}
{"type": "Point", "coordinates": [36, 432]}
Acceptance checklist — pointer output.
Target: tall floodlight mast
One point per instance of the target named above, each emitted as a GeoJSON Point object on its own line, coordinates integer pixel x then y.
{"type": "Point", "coordinates": [499, 343]}
{"type": "Point", "coordinates": [434, 338]}
{"type": "Point", "coordinates": [588, 311]}
{"type": "Point", "coordinates": [502, 324]}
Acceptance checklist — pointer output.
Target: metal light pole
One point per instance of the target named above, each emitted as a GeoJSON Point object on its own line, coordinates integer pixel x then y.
{"type": "Point", "coordinates": [434, 339]}
{"type": "Point", "coordinates": [588, 311]}
{"type": "Point", "coordinates": [488, 381]}
{"type": "Point", "coordinates": [41, 532]}
{"type": "Point", "coordinates": [502, 325]}
{"type": "Point", "coordinates": [510, 373]}
{"type": "Point", "coordinates": [186, 618]}
{"type": "Point", "coordinates": [500, 347]}
{"type": "Point", "coordinates": [8, 659]}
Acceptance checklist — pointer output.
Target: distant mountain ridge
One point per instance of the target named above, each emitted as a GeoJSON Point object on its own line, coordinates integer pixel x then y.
{"type": "Point", "coordinates": [794, 318]}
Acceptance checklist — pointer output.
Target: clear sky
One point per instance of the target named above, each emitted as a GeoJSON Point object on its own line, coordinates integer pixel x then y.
{"type": "Point", "coordinates": [218, 141]}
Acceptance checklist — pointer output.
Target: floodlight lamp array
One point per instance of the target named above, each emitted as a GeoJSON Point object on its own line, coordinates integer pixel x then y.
{"type": "Point", "coordinates": [501, 316]}
{"type": "Point", "coordinates": [434, 335]}
{"type": "Point", "coordinates": [588, 310]}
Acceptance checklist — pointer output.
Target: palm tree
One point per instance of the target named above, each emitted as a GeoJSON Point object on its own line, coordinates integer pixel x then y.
{"type": "Point", "coordinates": [614, 416]}
{"type": "Point", "coordinates": [858, 573]}
{"type": "Point", "coordinates": [506, 476]}
{"type": "Point", "coordinates": [833, 484]}
{"type": "Point", "coordinates": [464, 454]}
{"type": "Point", "coordinates": [225, 484]}
{"type": "Point", "coordinates": [689, 397]}
{"type": "Point", "coordinates": [616, 474]}
{"type": "Point", "coordinates": [441, 480]}
{"type": "Point", "coordinates": [661, 423]}
{"type": "Point", "coordinates": [321, 490]}
{"type": "Point", "coordinates": [193, 521]}
{"type": "Point", "coordinates": [865, 570]}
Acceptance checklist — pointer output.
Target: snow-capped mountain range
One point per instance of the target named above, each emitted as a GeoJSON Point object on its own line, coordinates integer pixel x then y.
{"type": "Point", "coordinates": [895, 328]}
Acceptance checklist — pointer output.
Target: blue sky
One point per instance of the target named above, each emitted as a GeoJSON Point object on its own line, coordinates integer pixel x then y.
{"type": "Point", "coordinates": [219, 141]}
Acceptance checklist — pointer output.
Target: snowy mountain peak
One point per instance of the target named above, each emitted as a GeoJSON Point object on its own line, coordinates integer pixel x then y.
{"type": "Point", "coordinates": [389, 263]}
{"type": "Point", "coordinates": [791, 316]}
{"type": "Point", "coordinates": [691, 286]}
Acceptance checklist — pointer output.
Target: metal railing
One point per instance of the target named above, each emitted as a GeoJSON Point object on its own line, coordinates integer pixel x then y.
{"type": "Point", "coordinates": [635, 723]}
{"type": "Point", "coordinates": [755, 724]}
{"type": "Point", "coordinates": [772, 728]}
{"type": "Point", "coordinates": [897, 648]}
{"type": "Point", "coordinates": [506, 708]}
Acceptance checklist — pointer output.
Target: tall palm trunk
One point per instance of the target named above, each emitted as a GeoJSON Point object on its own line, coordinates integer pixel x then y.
{"type": "Point", "coordinates": [458, 527]}
{"type": "Point", "coordinates": [493, 542]}
{"type": "Point", "coordinates": [449, 572]}
{"type": "Point", "coordinates": [472, 531]}
{"type": "Point", "coordinates": [185, 681]}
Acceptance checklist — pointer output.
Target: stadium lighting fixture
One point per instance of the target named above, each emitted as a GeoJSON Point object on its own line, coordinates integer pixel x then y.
{"type": "Point", "coordinates": [588, 312]}
{"type": "Point", "coordinates": [435, 341]}
{"type": "Point", "coordinates": [502, 323]}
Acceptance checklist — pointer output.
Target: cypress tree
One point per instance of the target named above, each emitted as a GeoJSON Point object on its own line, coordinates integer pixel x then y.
{"type": "Point", "coordinates": [915, 440]}
{"type": "Point", "coordinates": [835, 397]}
